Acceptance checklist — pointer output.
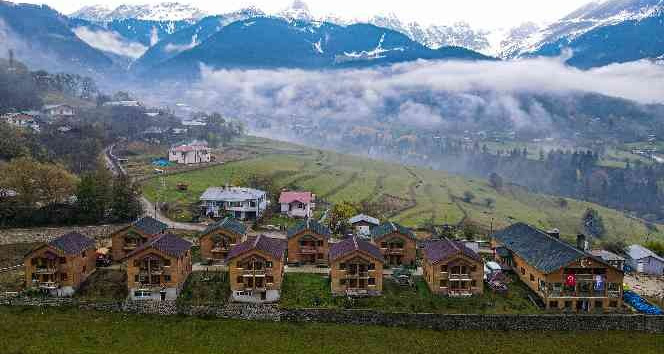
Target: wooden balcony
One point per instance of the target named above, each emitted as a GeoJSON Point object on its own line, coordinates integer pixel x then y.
{"type": "Point", "coordinates": [48, 285]}
{"type": "Point", "coordinates": [220, 250]}
{"type": "Point", "coordinates": [309, 250]}
{"type": "Point", "coordinates": [357, 275]}
{"type": "Point", "coordinates": [394, 251]}
{"type": "Point", "coordinates": [254, 273]}
{"type": "Point", "coordinates": [47, 270]}
{"type": "Point", "coordinates": [460, 293]}
{"type": "Point", "coordinates": [465, 277]}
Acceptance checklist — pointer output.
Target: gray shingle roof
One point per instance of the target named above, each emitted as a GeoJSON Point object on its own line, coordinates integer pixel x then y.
{"type": "Point", "coordinates": [639, 252]}
{"type": "Point", "coordinates": [310, 225]}
{"type": "Point", "coordinates": [545, 253]}
{"type": "Point", "coordinates": [73, 243]}
{"type": "Point", "coordinates": [170, 244]}
{"type": "Point", "coordinates": [231, 194]}
{"type": "Point", "coordinates": [272, 246]}
{"type": "Point", "coordinates": [438, 250]}
{"type": "Point", "coordinates": [352, 244]}
{"type": "Point", "coordinates": [391, 227]}
{"type": "Point", "coordinates": [363, 217]}
{"type": "Point", "coordinates": [227, 224]}
{"type": "Point", "coordinates": [150, 226]}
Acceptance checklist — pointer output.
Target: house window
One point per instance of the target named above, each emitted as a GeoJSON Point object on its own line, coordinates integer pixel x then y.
{"type": "Point", "coordinates": [342, 281]}
{"type": "Point", "coordinates": [523, 271]}
{"type": "Point", "coordinates": [456, 270]}
{"type": "Point", "coordinates": [599, 304]}
{"type": "Point", "coordinates": [473, 283]}
{"type": "Point", "coordinates": [473, 268]}
{"type": "Point", "coordinates": [443, 268]}
{"type": "Point", "coordinates": [83, 254]}
{"type": "Point", "coordinates": [84, 269]}
{"type": "Point", "coordinates": [136, 279]}
{"type": "Point", "coordinates": [342, 266]}
{"type": "Point", "coordinates": [553, 304]}
{"type": "Point", "coordinates": [443, 283]}
{"type": "Point", "coordinates": [372, 266]}
{"type": "Point", "coordinates": [268, 264]}
{"type": "Point", "coordinates": [568, 304]}
{"type": "Point", "coordinates": [372, 281]}
{"type": "Point", "coordinates": [63, 277]}
{"type": "Point", "coordinates": [383, 244]}
{"type": "Point", "coordinates": [167, 278]}
{"type": "Point", "coordinates": [239, 280]}
{"type": "Point", "coordinates": [464, 270]}
{"type": "Point", "coordinates": [532, 277]}
{"type": "Point", "coordinates": [63, 260]}
{"type": "Point", "coordinates": [319, 243]}
{"type": "Point", "coordinates": [613, 304]}
{"type": "Point", "coordinates": [167, 262]}
{"type": "Point", "coordinates": [269, 279]}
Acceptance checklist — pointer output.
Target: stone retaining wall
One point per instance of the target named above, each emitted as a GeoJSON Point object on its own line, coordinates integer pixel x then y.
{"type": "Point", "coordinates": [45, 234]}
{"type": "Point", "coordinates": [440, 322]}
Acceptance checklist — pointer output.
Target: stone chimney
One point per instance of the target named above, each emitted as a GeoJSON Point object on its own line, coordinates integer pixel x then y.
{"type": "Point", "coordinates": [581, 242]}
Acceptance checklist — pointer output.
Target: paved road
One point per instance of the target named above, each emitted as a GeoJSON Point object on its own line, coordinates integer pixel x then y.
{"type": "Point", "coordinates": [150, 210]}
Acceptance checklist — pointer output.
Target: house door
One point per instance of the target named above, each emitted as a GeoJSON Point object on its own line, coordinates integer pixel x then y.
{"type": "Point", "coordinates": [582, 306]}
{"type": "Point", "coordinates": [263, 295]}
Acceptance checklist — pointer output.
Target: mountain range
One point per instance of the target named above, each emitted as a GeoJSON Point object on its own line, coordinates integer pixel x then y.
{"type": "Point", "coordinates": [170, 36]}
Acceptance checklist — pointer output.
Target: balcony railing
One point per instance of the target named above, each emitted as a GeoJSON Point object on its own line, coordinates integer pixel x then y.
{"type": "Point", "coordinates": [48, 285]}
{"type": "Point", "coordinates": [252, 273]}
{"type": "Point", "coordinates": [460, 293]}
{"type": "Point", "coordinates": [130, 247]}
{"type": "Point", "coordinates": [394, 251]}
{"type": "Point", "coordinates": [459, 277]}
{"type": "Point", "coordinates": [48, 270]}
{"type": "Point", "coordinates": [308, 250]}
{"type": "Point", "coordinates": [364, 274]}
{"type": "Point", "coordinates": [220, 249]}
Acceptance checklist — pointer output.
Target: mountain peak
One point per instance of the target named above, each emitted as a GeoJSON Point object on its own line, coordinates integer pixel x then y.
{"type": "Point", "coordinates": [298, 10]}
{"type": "Point", "coordinates": [166, 11]}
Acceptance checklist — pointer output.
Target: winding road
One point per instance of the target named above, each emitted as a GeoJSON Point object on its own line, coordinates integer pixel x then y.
{"type": "Point", "coordinates": [149, 208]}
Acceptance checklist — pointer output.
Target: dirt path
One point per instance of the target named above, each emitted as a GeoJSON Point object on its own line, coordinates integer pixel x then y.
{"type": "Point", "coordinates": [150, 210]}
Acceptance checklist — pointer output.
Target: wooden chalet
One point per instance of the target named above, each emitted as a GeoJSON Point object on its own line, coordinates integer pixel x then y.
{"type": "Point", "coordinates": [158, 269]}
{"type": "Point", "coordinates": [564, 276]}
{"type": "Point", "coordinates": [397, 244]}
{"type": "Point", "coordinates": [308, 243]}
{"type": "Point", "coordinates": [133, 236]}
{"type": "Point", "coordinates": [356, 268]}
{"type": "Point", "coordinates": [218, 238]}
{"type": "Point", "coordinates": [60, 266]}
{"type": "Point", "coordinates": [452, 269]}
{"type": "Point", "coordinates": [256, 269]}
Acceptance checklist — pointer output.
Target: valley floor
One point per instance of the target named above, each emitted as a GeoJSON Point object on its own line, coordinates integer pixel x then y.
{"type": "Point", "coordinates": [30, 330]}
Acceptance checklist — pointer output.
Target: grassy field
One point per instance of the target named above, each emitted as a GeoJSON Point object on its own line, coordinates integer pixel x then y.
{"type": "Point", "coordinates": [203, 288]}
{"type": "Point", "coordinates": [56, 331]}
{"type": "Point", "coordinates": [412, 196]}
{"type": "Point", "coordinates": [311, 290]}
{"type": "Point", "coordinates": [104, 285]}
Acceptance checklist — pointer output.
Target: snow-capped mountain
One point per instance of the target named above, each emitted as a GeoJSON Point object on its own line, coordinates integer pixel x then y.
{"type": "Point", "coordinates": [298, 10]}
{"type": "Point", "coordinates": [167, 11]}
{"type": "Point", "coordinates": [589, 17]}
{"type": "Point", "coordinates": [435, 36]}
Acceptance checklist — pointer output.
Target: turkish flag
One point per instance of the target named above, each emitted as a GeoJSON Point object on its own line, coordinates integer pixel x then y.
{"type": "Point", "coordinates": [570, 280]}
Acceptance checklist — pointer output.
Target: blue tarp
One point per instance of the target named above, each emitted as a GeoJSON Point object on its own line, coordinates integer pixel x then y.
{"type": "Point", "coordinates": [161, 162]}
{"type": "Point", "coordinates": [641, 305]}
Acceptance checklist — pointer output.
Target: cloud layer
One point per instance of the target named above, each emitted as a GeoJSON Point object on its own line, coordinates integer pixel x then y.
{"type": "Point", "coordinates": [422, 94]}
{"type": "Point", "coordinates": [112, 42]}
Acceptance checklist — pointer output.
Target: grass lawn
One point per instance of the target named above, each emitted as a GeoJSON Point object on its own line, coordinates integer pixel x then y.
{"type": "Point", "coordinates": [33, 330]}
{"type": "Point", "coordinates": [12, 281]}
{"type": "Point", "coordinates": [412, 196]}
{"type": "Point", "coordinates": [205, 288]}
{"type": "Point", "coordinates": [311, 290]}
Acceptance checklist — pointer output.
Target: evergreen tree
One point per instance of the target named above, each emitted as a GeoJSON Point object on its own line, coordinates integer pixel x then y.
{"type": "Point", "coordinates": [125, 203]}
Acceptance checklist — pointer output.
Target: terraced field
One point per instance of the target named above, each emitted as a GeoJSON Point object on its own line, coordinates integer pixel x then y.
{"type": "Point", "coordinates": [412, 196]}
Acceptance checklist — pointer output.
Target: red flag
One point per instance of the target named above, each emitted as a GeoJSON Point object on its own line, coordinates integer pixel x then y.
{"type": "Point", "coordinates": [570, 280]}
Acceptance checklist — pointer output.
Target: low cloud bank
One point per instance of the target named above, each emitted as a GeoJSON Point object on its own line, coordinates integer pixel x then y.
{"type": "Point", "coordinates": [425, 94]}
{"type": "Point", "coordinates": [109, 41]}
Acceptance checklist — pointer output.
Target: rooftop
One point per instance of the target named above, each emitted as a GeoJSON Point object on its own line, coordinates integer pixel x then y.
{"type": "Point", "coordinates": [363, 217]}
{"type": "Point", "coordinates": [639, 252]}
{"type": "Point", "coordinates": [272, 246]}
{"type": "Point", "coordinates": [606, 255]}
{"type": "Point", "coordinates": [289, 197]}
{"type": "Point", "coordinates": [389, 228]}
{"type": "Point", "coordinates": [539, 249]}
{"type": "Point", "coordinates": [353, 244]}
{"type": "Point", "coordinates": [168, 243]}
{"type": "Point", "coordinates": [311, 225]}
{"type": "Point", "coordinates": [231, 194]}
{"type": "Point", "coordinates": [73, 243]}
{"type": "Point", "coordinates": [439, 250]}
{"type": "Point", "coordinates": [228, 224]}
{"type": "Point", "coordinates": [150, 225]}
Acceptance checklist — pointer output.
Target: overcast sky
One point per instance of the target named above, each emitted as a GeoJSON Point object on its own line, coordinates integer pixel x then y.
{"type": "Point", "coordinates": [488, 14]}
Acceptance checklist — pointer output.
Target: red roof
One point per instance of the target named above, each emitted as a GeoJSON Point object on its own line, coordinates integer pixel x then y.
{"type": "Point", "coordinates": [289, 197]}
{"type": "Point", "coordinates": [186, 148]}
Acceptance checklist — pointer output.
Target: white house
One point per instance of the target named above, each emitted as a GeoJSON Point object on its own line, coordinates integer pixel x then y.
{"type": "Point", "coordinates": [196, 152]}
{"type": "Point", "coordinates": [297, 204]}
{"type": "Point", "coordinates": [362, 224]}
{"type": "Point", "coordinates": [242, 203]}
{"type": "Point", "coordinates": [59, 110]}
{"type": "Point", "coordinates": [643, 260]}
{"type": "Point", "coordinates": [21, 120]}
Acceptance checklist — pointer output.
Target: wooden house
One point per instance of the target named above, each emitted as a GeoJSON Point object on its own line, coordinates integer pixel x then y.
{"type": "Point", "coordinates": [218, 238]}
{"type": "Point", "coordinates": [451, 268]}
{"type": "Point", "coordinates": [308, 243]}
{"type": "Point", "coordinates": [363, 224]}
{"type": "Point", "coordinates": [297, 204]}
{"type": "Point", "coordinates": [562, 275]}
{"type": "Point", "coordinates": [356, 268]}
{"type": "Point", "coordinates": [133, 236]}
{"type": "Point", "coordinates": [397, 243]}
{"type": "Point", "coordinates": [256, 269]}
{"type": "Point", "coordinates": [60, 266]}
{"type": "Point", "coordinates": [158, 269]}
